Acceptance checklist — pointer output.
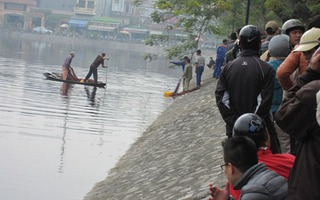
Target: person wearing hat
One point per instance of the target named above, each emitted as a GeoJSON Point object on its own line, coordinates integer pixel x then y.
{"type": "Point", "coordinates": [94, 67]}
{"type": "Point", "coordinates": [67, 70]}
{"type": "Point", "coordinates": [271, 29]}
{"type": "Point", "coordinates": [297, 117]}
{"type": "Point", "coordinates": [309, 43]}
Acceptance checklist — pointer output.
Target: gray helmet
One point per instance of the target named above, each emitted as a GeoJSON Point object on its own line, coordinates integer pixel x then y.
{"type": "Point", "coordinates": [279, 46]}
{"type": "Point", "coordinates": [250, 37]}
{"type": "Point", "coordinates": [292, 24]}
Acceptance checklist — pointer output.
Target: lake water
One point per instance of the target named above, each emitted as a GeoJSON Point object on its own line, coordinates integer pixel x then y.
{"type": "Point", "coordinates": [58, 140]}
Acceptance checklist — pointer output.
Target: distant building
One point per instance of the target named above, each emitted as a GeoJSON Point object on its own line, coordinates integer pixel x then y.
{"type": "Point", "coordinates": [17, 14]}
{"type": "Point", "coordinates": [66, 5]}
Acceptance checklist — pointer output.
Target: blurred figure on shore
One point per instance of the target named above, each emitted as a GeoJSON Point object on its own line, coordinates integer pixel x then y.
{"type": "Point", "coordinates": [179, 63]}
{"type": "Point", "coordinates": [211, 63]}
{"type": "Point", "coordinates": [221, 53]}
{"type": "Point", "coordinates": [199, 64]}
{"type": "Point", "coordinates": [187, 73]}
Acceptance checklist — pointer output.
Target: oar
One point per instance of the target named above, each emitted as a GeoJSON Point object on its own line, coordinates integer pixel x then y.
{"type": "Point", "coordinates": [177, 87]}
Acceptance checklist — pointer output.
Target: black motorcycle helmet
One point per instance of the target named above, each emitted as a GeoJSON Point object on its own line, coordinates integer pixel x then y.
{"type": "Point", "coordinates": [252, 126]}
{"type": "Point", "coordinates": [250, 37]}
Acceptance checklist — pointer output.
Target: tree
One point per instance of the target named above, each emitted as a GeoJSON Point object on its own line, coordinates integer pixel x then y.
{"type": "Point", "coordinates": [193, 17]}
{"type": "Point", "coordinates": [197, 17]}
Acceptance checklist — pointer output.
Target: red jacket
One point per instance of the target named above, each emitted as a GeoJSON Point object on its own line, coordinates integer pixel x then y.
{"type": "Point", "coordinates": [280, 163]}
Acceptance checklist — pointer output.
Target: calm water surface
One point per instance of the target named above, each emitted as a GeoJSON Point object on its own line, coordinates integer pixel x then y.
{"type": "Point", "coordinates": [58, 140]}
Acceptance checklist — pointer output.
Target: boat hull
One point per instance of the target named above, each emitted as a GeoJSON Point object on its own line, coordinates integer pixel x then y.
{"type": "Point", "coordinates": [58, 77]}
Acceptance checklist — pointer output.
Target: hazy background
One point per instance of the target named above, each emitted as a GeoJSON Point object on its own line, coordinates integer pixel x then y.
{"type": "Point", "coordinates": [58, 140]}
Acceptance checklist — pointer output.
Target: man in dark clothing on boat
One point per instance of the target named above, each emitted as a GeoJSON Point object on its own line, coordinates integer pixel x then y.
{"type": "Point", "coordinates": [94, 67]}
{"type": "Point", "coordinates": [67, 70]}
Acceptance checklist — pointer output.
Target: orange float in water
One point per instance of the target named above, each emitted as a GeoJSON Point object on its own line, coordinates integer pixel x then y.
{"type": "Point", "coordinates": [167, 94]}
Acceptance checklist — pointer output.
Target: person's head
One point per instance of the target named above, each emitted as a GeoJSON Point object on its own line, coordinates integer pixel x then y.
{"type": "Point", "coordinates": [198, 52]}
{"type": "Point", "coordinates": [252, 126]}
{"type": "Point", "coordinates": [309, 43]}
{"type": "Point", "coordinates": [279, 46]}
{"type": "Point", "coordinates": [186, 59]}
{"type": "Point", "coordinates": [314, 22]}
{"type": "Point", "coordinates": [239, 154]}
{"type": "Point", "coordinates": [271, 28]}
{"type": "Point", "coordinates": [224, 41]}
{"type": "Point", "coordinates": [233, 36]}
{"type": "Point", "coordinates": [72, 54]}
{"type": "Point", "coordinates": [250, 37]}
{"type": "Point", "coordinates": [294, 28]}
{"type": "Point", "coordinates": [103, 54]}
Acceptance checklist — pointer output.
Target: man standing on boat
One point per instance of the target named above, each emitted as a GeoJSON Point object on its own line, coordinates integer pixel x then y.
{"type": "Point", "coordinates": [94, 67]}
{"type": "Point", "coordinates": [67, 70]}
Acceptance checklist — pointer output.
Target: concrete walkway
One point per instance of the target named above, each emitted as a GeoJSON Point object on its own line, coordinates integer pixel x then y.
{"type": "Point", "coordinates": [176, 157]}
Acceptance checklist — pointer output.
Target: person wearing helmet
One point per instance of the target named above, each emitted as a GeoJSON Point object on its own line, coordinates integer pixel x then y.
{"type": "Point", "coordinates": [253, 127]}
{"type": "Point", "coordinates": [244, 172]}
{"type": "Point", "coordinates": [297, 117]}
{"type": "Point", "coordinates": [294, 28]}
{"type": "Point", "coordinates": [287, 73]}
{"type": "Point", "coordinates": [278, 50]}
{"type": "Point", "coordinates": [246, 83]}
{"type": "Point", "coordinates": [67, 71]}
{"type": "Point", "coordinates": [298, 60]}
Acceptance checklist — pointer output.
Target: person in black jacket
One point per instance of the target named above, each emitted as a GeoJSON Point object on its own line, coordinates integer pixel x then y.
{"type": "Point", "coordinates": [246, 84]}
{"type": "Point", "coordinates": [94, 67]}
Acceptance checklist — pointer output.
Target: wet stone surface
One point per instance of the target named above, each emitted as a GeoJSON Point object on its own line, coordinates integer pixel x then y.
{"type": "Point", "coordinates": [176, 157]}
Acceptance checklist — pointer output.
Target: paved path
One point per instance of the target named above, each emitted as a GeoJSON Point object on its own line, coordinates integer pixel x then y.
{"type": "Point", "coordinates": [176, 157]}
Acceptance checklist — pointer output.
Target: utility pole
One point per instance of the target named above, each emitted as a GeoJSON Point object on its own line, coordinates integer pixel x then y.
{"type": "Point", "coordinates": [247, 13]}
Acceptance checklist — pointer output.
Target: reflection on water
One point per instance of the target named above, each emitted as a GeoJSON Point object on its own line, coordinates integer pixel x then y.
{"type": "Point", "coordinates": [57, 140]}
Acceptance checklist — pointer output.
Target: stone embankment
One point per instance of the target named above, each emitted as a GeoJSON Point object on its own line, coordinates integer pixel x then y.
{"type": "Point", "coordinates": [176, 157]}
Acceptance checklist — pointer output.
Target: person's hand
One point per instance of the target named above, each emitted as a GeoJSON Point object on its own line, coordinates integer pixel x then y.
{"type": "Point", "coordinates": [315, 61]}
{"type": "Point", "coordinates": [219, 193]}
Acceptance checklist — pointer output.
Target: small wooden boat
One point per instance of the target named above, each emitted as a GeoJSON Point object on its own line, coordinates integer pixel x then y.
{"type": "Point", "coordinates": [58, 77]}
{"type": "Point", "coordinates": [173, 94]}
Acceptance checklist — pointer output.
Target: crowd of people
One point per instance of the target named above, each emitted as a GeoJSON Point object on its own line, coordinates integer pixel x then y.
{"type": "Point", "coordinates": [268, 95]}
